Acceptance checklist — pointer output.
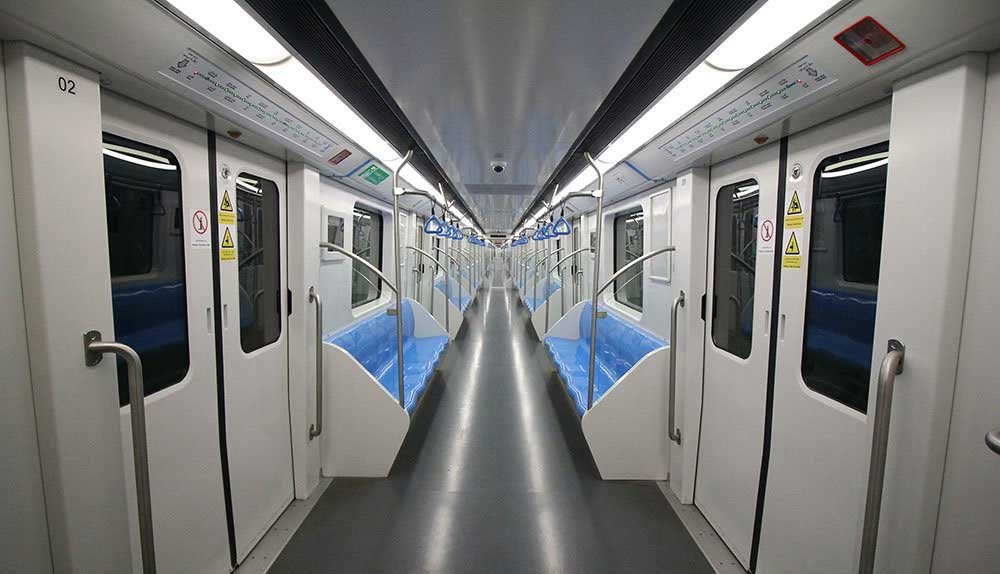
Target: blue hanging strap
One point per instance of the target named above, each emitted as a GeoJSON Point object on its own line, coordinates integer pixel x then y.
{"type": "Point", "coordinates": [433, 226]}
{"type": "Point", "coordinates": [562, 227]}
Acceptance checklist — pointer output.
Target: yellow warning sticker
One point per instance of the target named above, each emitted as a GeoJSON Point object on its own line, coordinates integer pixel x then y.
{"type": "Point", "coordinates": [226, 214]}
{"type": "Point", "coordinates": [793, 254]}
{"type": "Point", "coordinates": [794, 215]}
{"type": "Point", "coordinates": [227, 251]}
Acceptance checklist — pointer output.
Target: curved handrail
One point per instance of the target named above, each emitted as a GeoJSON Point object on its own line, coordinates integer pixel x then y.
{"type": "Point", "coordinates": [363, 261]}
{"type": "Point", "coordinates": [632, 264]}
{"type": "Point", "coordinates": [993, 440]}
{"type": "Point", "coordinates": [94, 350]}
{"type": "Point", "coordinates": [892, 365]}
{"type": "Point", "coordinates": [544, 259]}
{"type": "Point", "coordinates": [317, 429]}
{"type": "Point", "coordinates": [447, 313]}
{"type": "Point", "coordinates": [570, 256]}
{"type": "Point", "coordinates": [673, 432]}
{"type": "Point", "coordinates": [425, 254]}
{"type": "Point", "coordinates": [448, 255]}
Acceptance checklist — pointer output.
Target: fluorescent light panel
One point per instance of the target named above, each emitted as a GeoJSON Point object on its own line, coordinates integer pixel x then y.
{"type": "Point", "coordinates": [769, 27]}
{"type": "Point", "coordinates": [234, 27]}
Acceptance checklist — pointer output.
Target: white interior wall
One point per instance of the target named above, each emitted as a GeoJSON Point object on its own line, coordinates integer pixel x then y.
{"type": "Point", "coordinates": [335, 276]}
{"type": "Point", "coordinates": [24, 537]}
{"type": "Point", "coordinates": [304, 231]}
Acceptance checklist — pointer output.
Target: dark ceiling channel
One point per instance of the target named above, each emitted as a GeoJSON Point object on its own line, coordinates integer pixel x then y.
{"type": "Point", "coordinates": [314, 32]}
{"type": "Point", "coordinates": [686, 31]}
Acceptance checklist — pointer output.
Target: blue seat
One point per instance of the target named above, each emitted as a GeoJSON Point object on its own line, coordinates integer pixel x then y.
{"type": "Point", "coordinates": [841, 325]}
{"type": "Point", "coordinates": [542, 295]}
{"type": "Point", "coordinates": [372, 341]}
{"type": "Point", "coordinates": [150, 317]}
{"type": "Point", "coordinates": [452, 292]}
{"type": "Point", "coordinates": [620, 345]}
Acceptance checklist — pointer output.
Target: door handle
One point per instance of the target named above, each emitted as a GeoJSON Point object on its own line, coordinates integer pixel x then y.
{"type": "Point", "coordinates": [317, 429]}
{"type": "Point", "coordinates": [672, 431]}
{"type": "Point", "coordinates": [892, 365]}
{"type": "Point", "coordinates": [93, 350]}
{"type": "Point", "coordinates": [993, 440]}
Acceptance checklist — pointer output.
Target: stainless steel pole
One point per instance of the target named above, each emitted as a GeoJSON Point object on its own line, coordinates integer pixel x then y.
{"type": "Point", "coordinates": [396, 192]}
{"type": "Point", "coordinates": [599, 195]}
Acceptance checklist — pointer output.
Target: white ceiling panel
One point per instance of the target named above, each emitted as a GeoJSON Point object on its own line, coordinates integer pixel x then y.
{"type": "Point", "coordinates": [485, 81]}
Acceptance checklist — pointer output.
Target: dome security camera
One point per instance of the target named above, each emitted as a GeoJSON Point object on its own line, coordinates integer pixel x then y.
{"type": "Point", "coordinates": [498, 166]}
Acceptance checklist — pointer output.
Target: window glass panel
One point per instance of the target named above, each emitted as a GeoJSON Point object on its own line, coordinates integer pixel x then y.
{"type": "Point", "coordinates": [735, 267]}
{"type": "Point", "coordinates": [844, 259]}
{"type": "Point", "coordinates": [365, 284]}
{"type": "Point", "coordinates": [142, 190]}
{"type": "Point", "coordinates": [258, 247]}
{"type": "Point", "coordinates": [628, 247]}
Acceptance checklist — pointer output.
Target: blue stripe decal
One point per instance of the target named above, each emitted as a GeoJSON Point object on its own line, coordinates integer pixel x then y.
{"type": "Point", "coordinates": [638, 171]}
{"type": "Point", "coordinates": [368, 161]}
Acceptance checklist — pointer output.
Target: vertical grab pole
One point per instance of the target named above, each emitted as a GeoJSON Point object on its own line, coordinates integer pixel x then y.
{"type": "Point", "coordinates": [892, 365]}
{"type": "Point", "coordinates": [317, 429]}
{"type": "Point", "coordinates": [396, 192]}
{"type": "Point", "coordinates": [672, 431]}
{"type": "Point", "coordinates": [94, 349]}
{"type": "Point", "coordinates": [599, 195]}
{"type": "Point", "coordinates": [548, 284]}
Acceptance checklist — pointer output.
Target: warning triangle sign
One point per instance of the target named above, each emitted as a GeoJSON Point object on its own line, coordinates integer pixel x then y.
{"type": "Point", "coordinates": [227, 241]}
{"type": "Point", "coordinates": [792, 249]}
{"type": "Point", "coordinates": [794, 207]}
{"type": "Point", "coordinates": [226, 205]}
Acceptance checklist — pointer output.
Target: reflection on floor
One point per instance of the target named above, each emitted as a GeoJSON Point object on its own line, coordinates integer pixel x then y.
{"type": "Point", "coordinates": [494, 476]}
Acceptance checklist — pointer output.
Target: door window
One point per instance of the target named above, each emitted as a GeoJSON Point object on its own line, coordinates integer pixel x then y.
{"type": "Point", "coordinates": [365, 284]}
{"type": "Point", "coordinates": [844, 258]}
{"type": "Point", "coordinates": [142, 191]}
{"type": "Point", "coordinates": [735, 267]}
{"type": "Point", "coordinates": [259, 247]}
{"type": "Point", "coordinates": [628, 248]}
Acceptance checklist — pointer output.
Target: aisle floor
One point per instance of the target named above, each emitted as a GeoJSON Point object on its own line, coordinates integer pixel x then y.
{"type": "Point", "coordinates": [494, 476]}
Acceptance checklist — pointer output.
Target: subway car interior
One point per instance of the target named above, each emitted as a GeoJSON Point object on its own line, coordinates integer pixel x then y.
{"type": "Point", "coordinates": [470, 286]}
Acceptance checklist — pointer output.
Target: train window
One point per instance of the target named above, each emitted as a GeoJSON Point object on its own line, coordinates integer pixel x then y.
{"type": "Point", "coordinates": [628, 248]}
{"type": "Point", "coordinates": [735, 267]}
{"type": "Point", "coordinates": [258, 246]}
{"type": "Point", "coordinates": [142, 191]}
{"type": "Point", "coordinates": [365, 285]}
{"type": "Point", "coordinates": [844, 259]}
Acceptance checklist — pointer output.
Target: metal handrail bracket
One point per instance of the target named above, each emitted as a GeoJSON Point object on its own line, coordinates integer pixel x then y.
{"type": "Point", "coordinates": [892, 365]}
{"type": "Point", "coordinates": [317, 429]}
{"type": "Point", "coordinates": [94, 349]}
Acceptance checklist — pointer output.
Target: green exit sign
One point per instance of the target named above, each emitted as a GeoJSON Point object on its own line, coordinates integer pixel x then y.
{"type": "Point", "coordinates": [373, 174]}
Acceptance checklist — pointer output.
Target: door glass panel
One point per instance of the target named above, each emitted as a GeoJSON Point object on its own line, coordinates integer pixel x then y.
{"type": "Point", "coordinates": [142, 190]}
{"type": "Point", "coordinates": [628, 248]}
{"type": "Point", "coordinates": [735, 267]}
{"type": "Point", "coordinates": [844, 258]}
{"type": "Point", "coordinates": [365, 284]}
{"type": "Point", "coordinates": [259, 247]}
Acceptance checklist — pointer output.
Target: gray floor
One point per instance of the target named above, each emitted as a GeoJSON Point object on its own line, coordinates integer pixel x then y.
{"type": "Point", "coordinates": [494, 476]}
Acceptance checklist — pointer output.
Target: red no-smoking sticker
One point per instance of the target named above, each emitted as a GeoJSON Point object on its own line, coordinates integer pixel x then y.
{"type": "Point", "coordinates": [200, 238]}
{"type": "Point", "coordinates": [766, 236]}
